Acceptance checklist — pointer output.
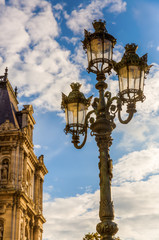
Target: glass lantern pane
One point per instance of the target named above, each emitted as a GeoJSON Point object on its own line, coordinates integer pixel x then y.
{"type": "Point", "coordinates": [105, 65]}
{"type": "Point", "coordinates": [123, 79]}
{"type": "Point", "coordinates": [107, 49]}
{"type": "Point", "coordinates": [134, 77]}
{"type": "Point", "coordinates": [100, 66]}
{"type": "Point", "coordinates": [120, 84]}
{"type": "Point", "coordinates": [81, 113]}
{"type": "Point", "coordinates": [66, 116]}
{"type": "Point", "coordinates": [96, 47]}
{"type": "Point", "coordinates": [142, 81]}
{"type": "Point", "coordinates": [72, 113]}
{"type": "Point", "coordinates": [88, 53]}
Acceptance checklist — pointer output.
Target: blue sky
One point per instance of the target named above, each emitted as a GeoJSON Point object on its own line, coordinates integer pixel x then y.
{"type": "Point", "coordinates": [40, 43]}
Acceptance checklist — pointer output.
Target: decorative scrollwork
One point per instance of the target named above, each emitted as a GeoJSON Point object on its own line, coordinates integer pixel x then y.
{"type": "Point", "coordinates": [95, 103]}
{"type": "Point", "coordinates": [107, 95]}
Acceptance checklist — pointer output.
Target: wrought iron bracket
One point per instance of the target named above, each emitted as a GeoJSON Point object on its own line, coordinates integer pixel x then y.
{"type": "Point", "coordinates": [131, 109]}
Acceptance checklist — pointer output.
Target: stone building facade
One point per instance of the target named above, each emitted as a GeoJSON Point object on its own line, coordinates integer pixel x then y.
{"type": "Point", "coordinates": [21, 172]}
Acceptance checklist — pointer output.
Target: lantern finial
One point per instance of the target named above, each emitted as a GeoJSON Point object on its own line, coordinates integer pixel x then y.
{"type": "Point", "coordinates": [75, 86]}
{"type": "Point", "coordinates": [99, 26]}
{"type": "Point", "coordinates": [131, 48]}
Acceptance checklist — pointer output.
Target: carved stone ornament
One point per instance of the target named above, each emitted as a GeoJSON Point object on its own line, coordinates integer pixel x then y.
{"type": "Point", "coordinates": [2, 208]}
{"type": "Point", "coordinates": [7, 126]}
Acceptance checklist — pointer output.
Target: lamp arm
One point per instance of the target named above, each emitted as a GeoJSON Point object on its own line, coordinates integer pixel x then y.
{"type": "Point", "coordinates": [75, 139]}
{"type": "Point", "coordinates": [130, 110]}
{"type": "Point", "coordinates": [130, 116]}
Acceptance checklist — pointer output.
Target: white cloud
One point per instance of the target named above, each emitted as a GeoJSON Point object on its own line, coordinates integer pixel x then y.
{"type": "Point", "coordinates": [40, 67]}
{"type": "Point", "coordinates": [46, 197]}
{"type": "Point", "coordinates": [72, 40]}
{"type": "Point", "coordinates": [80, 57]}
{"type": "Point", "coordinates": [70, 218]}
{"type": "Point", "coordinates": [2, 2]}
{"type": "Point", "coordinates": [135, 195]}
{"type": "Point", "coordinates": [151, 105]}
{"type": "Point", "coordinates": [158, 48]}
{"type": "Point", "coordinates": [118, 53]}
{"type": "Point", "coordinates": [137, 166]}
{"type": "Point", "coordinates": [37, 146]}
{"type": "Point", "coordinates": [82, 18]}
{"type": "Point", "coordinates": [28, 6]}
{"type": "Point", "coordinates": [42, 26]}
{"type": "Point", "coordinates": [58, 10]}
{"type": "Point", "coordinates": [136, 206]}
{"type": "Point", "coordinates": [10, 41]}
{"type": "Point", "coordinates": [118, 6]}
{"type": "Point", "coordinates": [59, 6]}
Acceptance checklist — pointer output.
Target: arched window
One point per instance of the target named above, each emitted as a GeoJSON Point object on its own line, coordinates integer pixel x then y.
{"type": "Point", "coordinates": [5, 170]}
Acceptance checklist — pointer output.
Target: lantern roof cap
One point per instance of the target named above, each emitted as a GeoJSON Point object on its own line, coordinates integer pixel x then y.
{"type": "Point", "coordinates": [99, 26]}
{"type": "Point", "coordinates": [75, 96]}
{"type": "Point", "coordinates": [131, 48]}
{"type": "Point", "coordinates": [131, 58]}
{"type": "Point", "coordinates": [100, 32]}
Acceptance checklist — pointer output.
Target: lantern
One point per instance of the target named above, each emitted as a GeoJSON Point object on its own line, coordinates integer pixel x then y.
{"type": "Point", "coordinates": [75, 107]}
{"type": "Point", "coordinates": [131, 72]}
{"type": "Point", "coordinates": [99, 48]}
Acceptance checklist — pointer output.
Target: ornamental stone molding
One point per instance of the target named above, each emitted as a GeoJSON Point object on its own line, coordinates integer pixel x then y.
{"type": "Point", "coordinates": [7, 126]}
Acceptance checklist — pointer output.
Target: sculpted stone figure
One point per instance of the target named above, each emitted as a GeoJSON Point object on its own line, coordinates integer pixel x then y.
{"type": "Point", "coordinates": [4, 173]}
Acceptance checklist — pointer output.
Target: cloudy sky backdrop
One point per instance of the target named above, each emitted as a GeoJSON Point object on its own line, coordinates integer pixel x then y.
{"type": "Point", "coordinates": [40, 43]}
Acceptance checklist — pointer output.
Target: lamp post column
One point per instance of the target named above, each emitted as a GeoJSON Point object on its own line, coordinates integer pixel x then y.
{"type": "Point", "coordinates": [102, 128]}
{"type": "Point", "coordinates": [106, 228]}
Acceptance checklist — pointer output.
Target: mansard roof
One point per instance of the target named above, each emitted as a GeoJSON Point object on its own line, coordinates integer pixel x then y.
{"type": "Point", "coordinates": [8, 101]}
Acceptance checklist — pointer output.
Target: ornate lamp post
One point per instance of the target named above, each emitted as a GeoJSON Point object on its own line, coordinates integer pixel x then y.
{"type": "Point", "coordinates": [131, 71]}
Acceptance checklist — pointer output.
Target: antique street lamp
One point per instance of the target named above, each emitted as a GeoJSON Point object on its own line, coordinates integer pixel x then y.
{"type": "Point", "coordinates": [75, 107]}
{"type": "Point", "coordinates": [99, 47]}
{"type": "Point", "coordinates": [131, 71]}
